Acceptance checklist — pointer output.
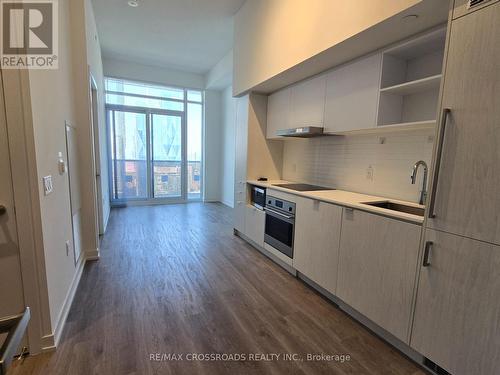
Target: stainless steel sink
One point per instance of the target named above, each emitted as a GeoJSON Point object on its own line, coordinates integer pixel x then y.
{"type": "Point", "coordinates": [393, 206]}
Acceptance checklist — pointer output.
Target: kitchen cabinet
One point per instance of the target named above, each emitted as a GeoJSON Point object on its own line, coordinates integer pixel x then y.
{"type": "Point", "coordinates": [255, 156]}
{"type": "Point", "coordinates": [377, 268]}
{"type": "Point", "coordinates": [467, 201]}
{"type": "Point", "coordinates": [307, 102]}
{"type": "Point", "coordinates": [461, 7]}
{"type": "Point", "coordinates": [457, 311]}
{"type": "Point", "coordinates": [278, 112]}
{"type": "Point", "coordinates": [317, 235]}
{"type": "Point", "coordinates": [255, 220]}
{"type": "Point", "coordinates": [240, 171]}
{"type": "Point", "coordinates": [352, 95]}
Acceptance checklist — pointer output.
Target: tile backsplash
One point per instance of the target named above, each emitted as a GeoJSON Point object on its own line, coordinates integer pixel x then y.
{"type": "Point", "coordinates": [371, 164]}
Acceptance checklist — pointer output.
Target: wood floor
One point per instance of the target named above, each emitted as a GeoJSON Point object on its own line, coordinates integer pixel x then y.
{"type": "Point", "coordinates": [174, 279]}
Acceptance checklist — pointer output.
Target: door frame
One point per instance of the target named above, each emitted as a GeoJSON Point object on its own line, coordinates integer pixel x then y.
{"type": "Point", "coordinates": [94, 118]}
{"type": "Point", "coordinates": [148, 112]}
{"type": "Point", "coordinates": [21, 142]}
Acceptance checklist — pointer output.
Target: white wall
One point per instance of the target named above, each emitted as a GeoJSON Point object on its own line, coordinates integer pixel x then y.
{"type": "Point", "coordinates": [153, 74]}
{"type": "Point", "coordinates": [52, 102]}
{"type": "Point", "coordinates": [213, 142]}
{"type": "Point", "coordinates": [221, 75]}
{"type": "Point", "coordinates": [94, 60]}
{"type": "Point", "coordinates": [228, 132]}
{"type": "Point", "coordinates": [342, 162]}
{"type": "Point", "coordinates": [272, 36]}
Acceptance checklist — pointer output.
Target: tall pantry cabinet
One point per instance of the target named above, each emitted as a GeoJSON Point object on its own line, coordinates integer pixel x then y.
{"type": "Point", "coordinates": [457, 314]}
{"type": "Point", "coordinates": [255, 156]}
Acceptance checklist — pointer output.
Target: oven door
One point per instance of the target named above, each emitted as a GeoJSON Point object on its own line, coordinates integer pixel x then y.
{"type": "Point", "coordinates": [279, 231]}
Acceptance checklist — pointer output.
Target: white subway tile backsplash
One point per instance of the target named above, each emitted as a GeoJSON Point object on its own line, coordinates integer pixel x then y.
{"type": "Point", "coordinates": [343, 162]}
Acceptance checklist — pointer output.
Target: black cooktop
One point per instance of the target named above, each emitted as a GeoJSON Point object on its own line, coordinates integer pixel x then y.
{"type": "Point", "coordinates": [302, 187]}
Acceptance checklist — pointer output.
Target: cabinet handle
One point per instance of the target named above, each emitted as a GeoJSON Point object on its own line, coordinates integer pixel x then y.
{"type": "Point", "coordinates": [437, 165]}
{"type": "Point", "coordinates": [428, 246]}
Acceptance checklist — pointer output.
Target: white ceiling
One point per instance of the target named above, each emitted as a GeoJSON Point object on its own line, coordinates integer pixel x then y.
{"type": "Point", "coordinates": [188, 35]}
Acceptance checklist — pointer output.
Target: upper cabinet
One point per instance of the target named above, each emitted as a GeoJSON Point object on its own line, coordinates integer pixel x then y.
{"type": "Point", "coordinates": [398, 87]}
{"type": "Point", "coordinates": [307, 102]}
{"type": "Point", "coordinates": [278, 112]}
{"type": "Point", "coordinates": [351, 95]}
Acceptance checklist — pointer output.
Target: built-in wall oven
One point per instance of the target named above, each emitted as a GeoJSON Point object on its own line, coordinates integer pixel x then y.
{"type": "Point", "coordinates": [280, 225]}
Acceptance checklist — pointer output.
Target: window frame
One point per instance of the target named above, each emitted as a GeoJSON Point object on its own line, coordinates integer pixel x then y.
{"type": "Point", "coordinates": [149, 112]}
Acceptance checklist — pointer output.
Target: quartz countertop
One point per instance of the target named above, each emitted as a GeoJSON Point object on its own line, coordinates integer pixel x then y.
{"type": "Point", "coordinates": [347, 199]}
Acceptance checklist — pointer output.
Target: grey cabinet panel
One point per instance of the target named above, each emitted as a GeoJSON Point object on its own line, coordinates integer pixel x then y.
{"type": "Point", "coordinates": [457, 313]}
{"type": "Point", "coordinates": [467, 198]}
{"type": "Point", "coordinates": [317, 235]}
{"type": "Point", "coordinates": [377, 268]}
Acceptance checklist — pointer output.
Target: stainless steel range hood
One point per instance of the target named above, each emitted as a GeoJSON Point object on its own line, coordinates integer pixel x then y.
{"type": "Point", "coordinates": [304, 132]}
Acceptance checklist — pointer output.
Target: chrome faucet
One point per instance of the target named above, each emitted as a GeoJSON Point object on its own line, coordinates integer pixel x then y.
{"type": "Point", "coordinates": [413, 177]}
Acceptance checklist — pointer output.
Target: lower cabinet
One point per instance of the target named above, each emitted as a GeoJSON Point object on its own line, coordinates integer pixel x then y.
{"type": "Point", "coordinates": [457, 314]}
{"type": "Point", "coordinates": [377, 268]}
{"type": "Point", "coordinates": [255, 221]}
{"type": "Point", "coordinates": [317, 235]}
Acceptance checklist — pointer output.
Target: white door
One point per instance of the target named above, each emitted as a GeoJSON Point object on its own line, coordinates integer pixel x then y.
{"type": "Point", "coordinates": [11, 291]}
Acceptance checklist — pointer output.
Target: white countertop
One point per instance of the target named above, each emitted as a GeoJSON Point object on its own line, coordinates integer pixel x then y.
{"type": "Point", "coordinates": [347, 199]}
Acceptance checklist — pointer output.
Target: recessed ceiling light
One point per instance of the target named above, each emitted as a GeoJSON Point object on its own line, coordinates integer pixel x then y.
{"type": "Point", "coordinates": [133, 3]}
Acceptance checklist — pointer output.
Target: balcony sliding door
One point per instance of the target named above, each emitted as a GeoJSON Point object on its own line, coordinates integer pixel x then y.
{"type": "Point", "coordinates": [148, 155]}
{"type": "Point", "coordinates": [129, 150]}
{"type": "Point", "coordinates": [167, 160]}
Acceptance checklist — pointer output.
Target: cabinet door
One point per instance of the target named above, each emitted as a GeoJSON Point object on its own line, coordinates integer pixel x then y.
{"type": "Point", "coordinates": [317, 234]}
{"type": "Point", "coordinates": [278, 112]}
{"type": "Point", "coordinates": [457, 313]}
{"type": "Point", "coordinates": [240, 164]}
{"type": "Point", "coordinates": [352, 95]}
{"type": "Point", "coordinates": [467, 198]}
{"type": "Point", "coordinates": [255, 221]}
{"type": "Point", "coordinates": [377, 268]}
{"type": "Point", "coordinates": [307, 102]}
{"type": "Point", "coordinates": [461, 7]}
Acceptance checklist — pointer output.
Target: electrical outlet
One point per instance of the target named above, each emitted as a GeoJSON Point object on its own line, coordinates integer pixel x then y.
{"type": "Point", "coordinates": [68, 247]}
{"type": "Point", "coordinates": [47, 185]}
{"type": "Point", "coordinates": [369, 173]}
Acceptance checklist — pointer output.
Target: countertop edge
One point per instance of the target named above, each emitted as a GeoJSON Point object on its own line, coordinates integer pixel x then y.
{"type": "Point", "coordinates": [350, 204]}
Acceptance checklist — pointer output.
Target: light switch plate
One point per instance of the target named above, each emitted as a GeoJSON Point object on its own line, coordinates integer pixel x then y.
{"type": "Point", "coordinates": [47, 185]}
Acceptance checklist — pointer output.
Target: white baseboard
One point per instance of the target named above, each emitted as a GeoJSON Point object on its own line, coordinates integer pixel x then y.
{"type": "Point", "coordinates": [92, 254]}
{"type": "Point", "coordinates": [106, 221]}
{"type": "Point", "coordinates": [230, 204]}
{"type": "Point", "coordinates": [63, 315]}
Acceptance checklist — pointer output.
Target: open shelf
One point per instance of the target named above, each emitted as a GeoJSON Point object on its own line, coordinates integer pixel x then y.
{"type": "Point", "coordinates": [410, 80]}
{"type": "Point", "coordinates": [414, 87]}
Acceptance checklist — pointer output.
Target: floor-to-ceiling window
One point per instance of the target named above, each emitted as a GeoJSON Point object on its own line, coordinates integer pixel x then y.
{"type": "Point", "coordinates": [155, 142]}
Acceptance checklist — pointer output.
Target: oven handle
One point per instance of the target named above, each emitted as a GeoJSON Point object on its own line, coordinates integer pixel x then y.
{"type": "Point", "coordinates": [274, 212]}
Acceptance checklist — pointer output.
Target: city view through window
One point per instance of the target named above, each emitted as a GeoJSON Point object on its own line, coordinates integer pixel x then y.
{"type": "Point", "coordinates": [155, 136]}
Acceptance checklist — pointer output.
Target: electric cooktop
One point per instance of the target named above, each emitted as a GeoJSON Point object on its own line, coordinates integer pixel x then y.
{"type": "Point", "coordinates": [302, 187]}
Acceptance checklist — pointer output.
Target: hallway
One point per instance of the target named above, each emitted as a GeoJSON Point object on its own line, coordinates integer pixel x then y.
{"type": "Point", "coordinates": [174, 279]}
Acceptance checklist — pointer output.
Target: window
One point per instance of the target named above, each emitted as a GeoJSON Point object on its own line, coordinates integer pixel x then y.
{"type": "Point", "coordinates": [156, 138]}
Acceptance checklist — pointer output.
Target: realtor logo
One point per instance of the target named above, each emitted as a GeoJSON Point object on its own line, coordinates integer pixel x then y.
{"type": "Point", "coordinates": [29, 34]}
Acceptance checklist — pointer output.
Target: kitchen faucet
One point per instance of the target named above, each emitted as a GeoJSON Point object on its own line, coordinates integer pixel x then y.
{"type": "Point", "coordinates": [413, 177]}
